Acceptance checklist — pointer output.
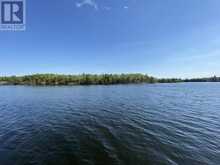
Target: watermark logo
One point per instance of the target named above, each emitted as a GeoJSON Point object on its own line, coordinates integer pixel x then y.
{"type": "Point", "coordinates": [12, 15]}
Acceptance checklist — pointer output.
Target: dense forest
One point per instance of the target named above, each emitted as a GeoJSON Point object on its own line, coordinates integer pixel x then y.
{"type": "Point", "coordinates": [93, 79]}
{"type": "Point", "coordinates": [174, 80]}
{"type": "Point", "coordinates": [83, 79]}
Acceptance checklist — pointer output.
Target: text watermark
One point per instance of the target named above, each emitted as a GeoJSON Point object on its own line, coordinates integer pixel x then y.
{"type": "Point", "coordinates": [12, 15]}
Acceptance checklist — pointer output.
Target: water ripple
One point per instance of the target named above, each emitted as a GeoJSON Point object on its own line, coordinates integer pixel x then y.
{"type": "Point", "coordinates": [167, 124]}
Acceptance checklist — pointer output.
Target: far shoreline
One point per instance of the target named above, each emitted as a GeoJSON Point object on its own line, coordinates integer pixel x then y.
{"type": "Point", "coordinates": [94, 79]}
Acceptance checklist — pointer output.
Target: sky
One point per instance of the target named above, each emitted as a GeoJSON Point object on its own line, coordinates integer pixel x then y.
{"type": "Point", "coordinates": [162, 38]}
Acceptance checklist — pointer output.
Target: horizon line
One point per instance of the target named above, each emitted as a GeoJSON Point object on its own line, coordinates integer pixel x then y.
{"type": "Point", "coordinates": [108, 73]}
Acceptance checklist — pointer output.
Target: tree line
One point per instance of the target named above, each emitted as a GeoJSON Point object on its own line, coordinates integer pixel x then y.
{"type": "Point", "coordinates": [174, 80]}
{"type": "Point", "coordinates": [93, 79]}
{"type": "Point", "coordinates": [83, 79]}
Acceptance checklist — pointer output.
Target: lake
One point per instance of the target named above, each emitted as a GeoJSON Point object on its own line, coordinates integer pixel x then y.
{"type": "Point", "coordinates": [167, 124]}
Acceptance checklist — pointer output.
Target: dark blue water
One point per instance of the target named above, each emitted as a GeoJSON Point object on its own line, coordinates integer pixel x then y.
{"type": "Point", "coordinates": [167, 124]}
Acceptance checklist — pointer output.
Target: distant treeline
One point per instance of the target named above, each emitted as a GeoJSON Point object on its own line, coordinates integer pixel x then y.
{"type": "Point", "coordinates": [93, 79]}
{"type": "Point", "coordinates": [174, 80]}
{"type": "Point", "coordinates": [83, 79]}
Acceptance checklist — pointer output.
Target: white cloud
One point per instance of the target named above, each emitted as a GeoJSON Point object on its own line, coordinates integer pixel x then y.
{"type": "Point", "coordinates": [90, 3]}
{"type": "Point", "coordinates": [93, 4]}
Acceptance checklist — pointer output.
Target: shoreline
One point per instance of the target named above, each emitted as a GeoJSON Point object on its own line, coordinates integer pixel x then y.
{"type": "Point", "coordinates": [29, 85]}
{"type": "Point", "coordinates": [94, 79]}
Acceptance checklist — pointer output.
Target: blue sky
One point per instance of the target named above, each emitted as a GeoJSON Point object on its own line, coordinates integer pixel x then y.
{"type": "Point", "coordinates": [163, 38]}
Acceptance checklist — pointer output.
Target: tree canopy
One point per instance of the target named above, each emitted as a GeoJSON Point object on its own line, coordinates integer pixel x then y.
{"type": "Point", "coordinates": [83, 79]}
{"type": "Point", "coordinates": [93, 79]}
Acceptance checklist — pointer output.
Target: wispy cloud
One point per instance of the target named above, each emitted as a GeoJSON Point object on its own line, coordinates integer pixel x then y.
{"type": "Point", "coordinates": [90, 3]}
{"type": "Point", "coordinates": [93, 4]}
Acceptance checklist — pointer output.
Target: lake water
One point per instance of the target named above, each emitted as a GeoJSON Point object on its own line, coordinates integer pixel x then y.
{"type": "Point", "coordinates": [167, 124]}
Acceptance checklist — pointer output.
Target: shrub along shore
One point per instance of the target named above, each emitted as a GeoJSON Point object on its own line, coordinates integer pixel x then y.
{"type": "Point", "coordinates": [93, 79]}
